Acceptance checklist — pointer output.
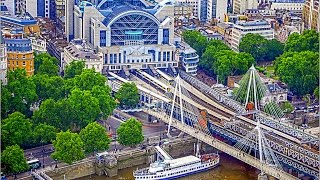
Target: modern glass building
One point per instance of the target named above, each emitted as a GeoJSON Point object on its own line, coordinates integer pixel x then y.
{"type": "Point", "coordinates": [131, 34]}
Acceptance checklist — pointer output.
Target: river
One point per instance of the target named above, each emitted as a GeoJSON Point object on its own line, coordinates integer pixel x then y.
{"type": "Point", "coordinates": [229, 169]}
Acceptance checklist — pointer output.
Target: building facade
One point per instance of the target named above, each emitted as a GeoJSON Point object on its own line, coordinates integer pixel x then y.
{"type": "Point", "coordinates": [241, 28]}
{"type": "Point", "coordinates": [239, 6]}
{"type": "Point", "coordinates": [41, 8]}
{"type": "Point", "coordinates": [310, 15]}
{"type": "Point", "coordinates": [3, 63]}
{"type": "Point", "coordinates": [188, 57]}
{"type": "Point", "coordinates": [13, 21]}
{"type": "Point", "coordinates": [183, 10]}
{"type": "Point", "coordinates": [130, 34]}
{"type": "Point", "coordinates": [60, 8]}
{"type": "Point", "coordinates": [80, 50]}
{"type": "Point", "coordinates": [195, 4]}
{"type": "Point", "coordinates": [216, 9]}
{"type": "Point", "coordinates": [288, 5]}
{"type": "Point", "coordinates": [19, 51]}
{"type": "Point", "coordinates": [39, 45]}
{"type": "Point", "coordinates": [276, 94]}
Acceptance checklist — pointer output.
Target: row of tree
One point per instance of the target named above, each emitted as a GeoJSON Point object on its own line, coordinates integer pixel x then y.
{"type": "Point", "coordinates": [71, 147]}
{"type": "Point", "coordinates": [216, 57]}
{"type": "Point", "coordinates": [298, 67]}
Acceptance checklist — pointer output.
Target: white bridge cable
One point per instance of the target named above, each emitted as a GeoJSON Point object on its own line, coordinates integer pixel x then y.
{"type": "Point", "coordinates": [251, 142]}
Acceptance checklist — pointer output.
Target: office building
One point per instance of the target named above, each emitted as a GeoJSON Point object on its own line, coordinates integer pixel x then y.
{"type": "Point", "coordinates": [183, 10]}
{"type": "Point", "coordinates": [239, 6]}
{"type": "Point", "coordinates": [60, 8]}
{"type": "Point", "coordinates": [130, 34]}
{"type": "Point", "coordinates": [41, 8]}
{"type": "Point", "coordinates": [80, 50]}
{"type": "Point", "coordinates": [19, 50]}
{"type": "Point", "coordinates": [241, 28]}
{"type": "Point", "coordinates": [311, 16]}
{"type": "Point", "coordinates": [188, 58]}
{"type": "Point", "coordinates": [216, 9]}
{"type": "Point", "coordinates": [3, 63]}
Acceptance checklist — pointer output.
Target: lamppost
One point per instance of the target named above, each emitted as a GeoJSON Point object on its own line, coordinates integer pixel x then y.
{"type": "Point", "coordinates": [42, 153]}
{"type": "Point", "coordinates": [56, 163]}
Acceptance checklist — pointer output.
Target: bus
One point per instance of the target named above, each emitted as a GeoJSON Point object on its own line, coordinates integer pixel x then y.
{"type": "Point", "coordinates": [34, 164]}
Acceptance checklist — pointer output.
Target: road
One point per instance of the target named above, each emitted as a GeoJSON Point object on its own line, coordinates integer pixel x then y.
{"type": "Point", "coordinates": [148, 131]}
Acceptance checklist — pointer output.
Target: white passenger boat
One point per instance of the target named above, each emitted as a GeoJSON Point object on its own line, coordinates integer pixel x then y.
{"type": "Point", "coordinates": [175, 168]}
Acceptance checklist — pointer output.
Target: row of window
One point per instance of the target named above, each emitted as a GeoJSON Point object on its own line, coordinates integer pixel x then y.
{"type": "Point", "coordinates": [17, 63]}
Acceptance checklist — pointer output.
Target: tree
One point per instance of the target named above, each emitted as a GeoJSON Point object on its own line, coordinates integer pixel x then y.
{"type": "Point", "coordinates": [48, 67]}
{"type": "Point", "coordinates": [5, 99]}
{"type": "Point", "coordinates": [94, 138]}
{"type": "Point", "coordinates": [89, 78]}
{"type": "Point", "coordinates": [73, 69]}
{"type": "Point", "coordinates": [230, 63]}
{"type": "Point", "coordinates": [274, 49]}
{"type": "Point", "coordinates": [22, 90]}
{"type": "Point", "coordinates": [106, 101]}
{"type": "Point", "coordinates": [209, 56]}
{"type": "Point", "coordinates": [130, 132]}
{"type": "Point", "coordinates": [316, 93]}
{"type": "Point", "coordinates": [128, 95]}
{"type": "Point", "coordinates": [299, 70]}
{"type": "Point", "coordinates": [49, 86]}
{"type": "Point", "coordinates": [44, 133]}
{"type": "Point", "coordinates": [16, 129]}
{"type": "Point", "coordinates": [13, 159]}
{"type": "Point", "coordinates": [39, 60]}
{"type": "Point", "coordinates": [68, 147]}
{"type": "Point", "coordinates": [253, 44]}
{"type": "Point", "coordinates": [307, 41]}
{"type": "Point", "coordinates": [49, 113]}
{"type": "Point", "coordinates": [85, 107]}
{"type": "Point", "coordinates": [287, 107]}
{"type": "Point", "coordinates": [196, 40]}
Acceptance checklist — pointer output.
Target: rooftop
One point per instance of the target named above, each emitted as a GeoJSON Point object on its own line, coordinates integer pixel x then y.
{"type": "Point", "coordinates": [183, 160]}
{"type": "Point", "coordinates": [252, 23]}
{"type": "Point", "coordinates": [80, 49]}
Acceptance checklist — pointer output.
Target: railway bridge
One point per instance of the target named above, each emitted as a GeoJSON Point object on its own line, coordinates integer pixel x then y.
{"type": "Point", "coordinates": [226, 119]}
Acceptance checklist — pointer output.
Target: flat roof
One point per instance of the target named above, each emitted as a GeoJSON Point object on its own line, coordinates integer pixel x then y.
{"type": "Point", "coordinates": [183, 160]}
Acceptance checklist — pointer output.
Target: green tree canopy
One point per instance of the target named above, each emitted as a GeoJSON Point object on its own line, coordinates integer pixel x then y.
{"type": "Point", "coordinates": [49, 86]}
{"type": "Point", "coordinates": [89, 78]}
{"type": "Point", "coordinates": [196, 40]}
{"type": "Point", "coordinates": [48, 113]}
{"type": "Point", "coordinates": [39, 60]}
{"type": "Point", "coordinates": [209, 56]}
{"type": "Point", "coordinates": [85, 107]}
{"type": "Point", "coordinates": [307, 41]}
{"type": "Point", "coordinates": [130, 132]}
{"type": "Point", "coordinates": [13, 160]}
{"type": "Point", "coordinates": [230, 63]}
{"type": "Point", "coordinates": [128, 95]}
{"type": "Point", "coordinates": [274, 49]}
{"type": "Point", "coordinates": [73, 69]}
{"type": "Point", "coordinates": [287, 107]}
{"type": "Point", "coordinates": [44, 133]}
{"type": "Point", "coordinates": [95, 138]}
{"type": "Point", "coordinates": [254, 44]}
{"type": "Point", "coordinates": [106, 101]}
{"type": "Point", "coordinates": [15, 129]}
{"type": "Point", "coordinates": [299, 70]}
{"type": "Point", "coordinates": [5, 99]}
{"type": "Point", "coordinates": [68, 147]}
{"type": "Point", "coordinates": [48, 67]}
{"type": "Point", "coordinates": [22, 90]}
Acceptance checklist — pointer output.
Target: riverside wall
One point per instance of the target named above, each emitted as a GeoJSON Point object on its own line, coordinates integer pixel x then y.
{"type": "Point", "coordinates": [124, 159]}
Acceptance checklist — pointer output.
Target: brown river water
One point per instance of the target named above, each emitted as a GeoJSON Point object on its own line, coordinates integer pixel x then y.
{"type": "Point", "coordinates": [229, 169]}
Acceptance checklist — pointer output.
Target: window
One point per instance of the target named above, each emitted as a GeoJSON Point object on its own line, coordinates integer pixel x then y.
{"type": "Point", "coordinates": [17, 63]}
{"type": "Point", "coordinates": [23, 63]}
{"type": "Point", "coordinates": [24, 56]}
{"type": "Point", "coordinates": [102, 38]}
{"type": "Point", "coordinates": [165, 36]}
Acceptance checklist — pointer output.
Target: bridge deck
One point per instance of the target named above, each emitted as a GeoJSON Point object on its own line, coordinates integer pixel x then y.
{"type": "Point", "coordinates": [280, 174]}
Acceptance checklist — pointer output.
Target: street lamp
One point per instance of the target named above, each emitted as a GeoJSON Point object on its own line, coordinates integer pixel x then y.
{"type": "Point", "coordinates": [42, 153]}
{"type": "Point", "coordinates": [56, 163]}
